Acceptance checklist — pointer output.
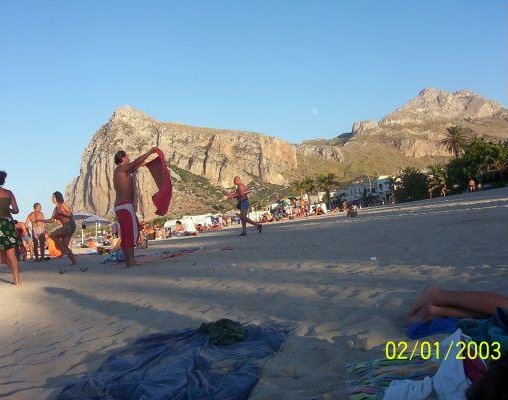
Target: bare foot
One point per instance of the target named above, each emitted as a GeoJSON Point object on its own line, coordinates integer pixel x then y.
{"type": "Point", "coordinates": [134, 264]}
{"type": "Point", "coordinates": [425, 313]}
{"type": "Point", "coordinates": [427, 298]}
{"type": "Point", "coordinates": [72, 257]}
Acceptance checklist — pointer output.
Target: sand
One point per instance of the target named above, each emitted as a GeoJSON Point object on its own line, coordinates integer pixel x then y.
{"type": "Point", "coordinates": [314, 275]}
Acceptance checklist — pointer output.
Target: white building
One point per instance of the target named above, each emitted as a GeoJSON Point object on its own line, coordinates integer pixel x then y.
{"type": "Point", "coordinates": [373, 188]}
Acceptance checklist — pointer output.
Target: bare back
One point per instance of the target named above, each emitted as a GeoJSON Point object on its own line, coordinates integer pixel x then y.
{"type": "Point", "coordinates": [8, 204]}
{"type": "Point", "coordinates": [123, 183]}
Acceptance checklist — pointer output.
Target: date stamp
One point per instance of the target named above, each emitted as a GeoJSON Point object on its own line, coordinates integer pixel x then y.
{"type": "Point", "coordinates": [426, 350]}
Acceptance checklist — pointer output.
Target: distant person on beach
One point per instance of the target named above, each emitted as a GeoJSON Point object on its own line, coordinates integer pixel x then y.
{"type": "Point", "coordinates": [124, 203]}
{"type": "Point", "coordinates": [444, 190]}
{"type": "Point", "coordinates": [38, 232]}
{"type": "Point", "coordinates": [20, 250]}
{"type": "Point", "coordinates": [116, 240]}
{"type": "Point", "coordinates": [435, 302]}
{"type": "Point", "coordinates": [8, 235]}
{"type": "Point", "coordinates": [472, 185]}
{"type": "Point", "coordinates": [26, 240]}
{"type": "Point", "coordinates": [62, 235]}
{"type": "Point", "coordinates": [242, 198]}
{"type": "Point", "coordinates": [179, 229]}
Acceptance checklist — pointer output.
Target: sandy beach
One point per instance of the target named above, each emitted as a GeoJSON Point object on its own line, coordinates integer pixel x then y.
{"type": "Point", "coordinates": [316, 276]}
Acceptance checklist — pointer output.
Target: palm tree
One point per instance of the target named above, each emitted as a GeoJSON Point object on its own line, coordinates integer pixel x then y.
{"type": "Point", "coordinates": [455, 140]}
{"type": "Point", "coordinates": [497, 161]}
{"type": "Point", "coordinates": [437, 178]}
{"type": "Point", "coordinates": [299, 187]}
{"type": "Point", "coordinates": [309, 187]}
{"type": "Point", "coordinates": [326, 183]}
{"type": "Point", "coordinates": [412, 184]}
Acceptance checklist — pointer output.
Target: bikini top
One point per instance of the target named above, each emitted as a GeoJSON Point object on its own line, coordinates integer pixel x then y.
{"type": "Point", "coordinates": [60, 215]}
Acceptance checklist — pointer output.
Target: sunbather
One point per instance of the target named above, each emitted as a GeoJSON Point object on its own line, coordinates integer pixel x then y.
{"type": "Point", "coordinates": [435, 302]}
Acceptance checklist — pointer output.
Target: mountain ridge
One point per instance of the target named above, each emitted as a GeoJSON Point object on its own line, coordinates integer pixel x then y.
{"type": "Point", "coordinates": [410, 135]}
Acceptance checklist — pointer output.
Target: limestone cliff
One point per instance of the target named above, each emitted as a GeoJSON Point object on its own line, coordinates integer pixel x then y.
{"type": "Point", "coordinates": [215, 154]}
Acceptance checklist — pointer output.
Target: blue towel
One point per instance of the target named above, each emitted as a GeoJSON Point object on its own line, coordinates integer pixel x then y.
{"type": "Point", "coordinates": [494, 329]}
{"type": "Point", "coordinates": [180, 366]}
{"type": "Point", "coordinates": [418, 330]}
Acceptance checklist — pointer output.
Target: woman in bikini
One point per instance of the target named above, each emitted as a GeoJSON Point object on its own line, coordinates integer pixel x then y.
{"type": "Point", "coordinates": [62, 235]}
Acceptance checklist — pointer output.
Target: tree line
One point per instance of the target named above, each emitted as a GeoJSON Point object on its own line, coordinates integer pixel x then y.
{"type": "Point", "coordinates": [474, 159]}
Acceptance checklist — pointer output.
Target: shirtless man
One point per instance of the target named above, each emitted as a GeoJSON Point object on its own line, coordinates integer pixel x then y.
{"type": "Point", "coordinates": [241, 195]}
{"type": "Point", "coordinates": [38, 231]}
{"type": "Point", "coordinates": [124, 203]}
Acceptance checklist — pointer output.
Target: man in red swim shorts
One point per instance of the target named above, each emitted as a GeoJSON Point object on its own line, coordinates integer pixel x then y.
{"type": "Point", "coordinates": [124, 203]}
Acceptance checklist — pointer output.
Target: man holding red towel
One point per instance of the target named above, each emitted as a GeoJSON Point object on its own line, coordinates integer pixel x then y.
{"type": "Point", "coordinates": [124, 203]}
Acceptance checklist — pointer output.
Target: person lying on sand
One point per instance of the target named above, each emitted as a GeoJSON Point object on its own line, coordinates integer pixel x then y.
{"type": "Point", "coordinates": [435, 302]}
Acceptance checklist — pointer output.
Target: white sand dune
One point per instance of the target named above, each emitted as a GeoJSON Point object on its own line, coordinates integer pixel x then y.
{"type": "Point", "coordinates": [314, 276]}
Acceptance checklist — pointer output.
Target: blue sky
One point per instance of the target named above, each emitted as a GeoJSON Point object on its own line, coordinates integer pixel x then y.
{"type": "Point", "coordinates": [287, 68]}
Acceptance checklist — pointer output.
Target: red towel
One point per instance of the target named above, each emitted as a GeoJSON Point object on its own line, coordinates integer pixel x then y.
{"type": "Point", "coordinates": [160, 172]}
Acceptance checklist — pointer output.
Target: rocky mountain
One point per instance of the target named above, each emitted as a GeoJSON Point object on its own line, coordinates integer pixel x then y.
{"type": "Point", "coordinates": [205, 160]}
{"type": "Point", "coordinates": [215, 154]}
{"type": "Point", "coordinates": [417, 128]}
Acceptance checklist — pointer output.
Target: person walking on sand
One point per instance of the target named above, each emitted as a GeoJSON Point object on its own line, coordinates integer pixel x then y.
{"type": "Point", "coordinates": [124, 203]}
{"type": "Point", "coordinates": [8, 234]}
{"type": "Point", "coordinates": [241, 195]}
{"type": "Point", "coordinates": [472, 185]}
{"type": "Point", "coordinates": [26, 240]}
{"type": "Point", "coordinates": [62, 236]}
{"type": "Point", "coordinates": [38, 232]}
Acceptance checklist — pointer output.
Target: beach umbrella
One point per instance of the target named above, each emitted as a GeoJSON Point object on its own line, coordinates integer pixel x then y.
{"type": "Point", "coordinates": [79, 216]}
{"type": "Point", "coordinates": [97, 220]}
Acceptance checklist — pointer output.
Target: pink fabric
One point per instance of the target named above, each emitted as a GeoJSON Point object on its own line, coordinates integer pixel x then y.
{"type": "Point", "coordinates": [474, 369]}
{"type": "Point", "coordinates": [160, 172]}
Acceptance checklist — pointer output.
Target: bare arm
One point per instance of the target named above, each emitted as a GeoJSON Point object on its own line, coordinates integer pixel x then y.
{"type": "Point", "coordinates": [140, 161]}
{"type": "Point", "coordinates": [48, 221]}
{"type": "Point", "coordinates": [229, 196]}
{"type": "Point", "coordinates": [14, 205]}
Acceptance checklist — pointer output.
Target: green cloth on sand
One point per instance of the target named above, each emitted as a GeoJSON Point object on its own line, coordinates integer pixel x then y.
{"type": "Point", "coordinates": [224, 332]}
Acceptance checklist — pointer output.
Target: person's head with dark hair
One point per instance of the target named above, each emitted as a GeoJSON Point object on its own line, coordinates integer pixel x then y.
{"type": "Point", "coordinates": [179, 222]}
{"type": "Point", "coordinates": [120, 156]}
{"type": "Point", "coordinates": [57, 198]}
{"type": "Point", "coordinates": [3, 175]}
{"type": "Point", "coordinates": [493, 384]}
{"type": "Point", "coordinates": [37, 206]}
